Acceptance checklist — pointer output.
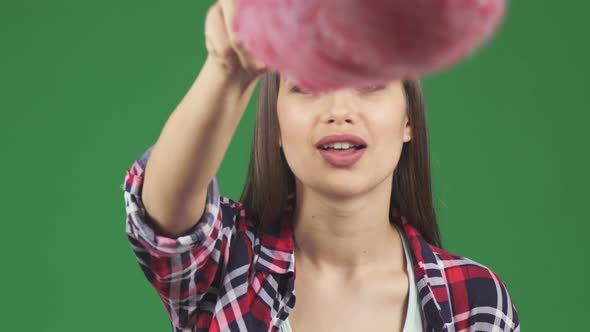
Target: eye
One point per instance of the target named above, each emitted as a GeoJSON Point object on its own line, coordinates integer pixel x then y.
{"type": "Point", "coordinates": [297, 89]}
{"type": "Point", "coordinates": [372, 88]}
{"type": "Point", "coordinates": [367, 89]}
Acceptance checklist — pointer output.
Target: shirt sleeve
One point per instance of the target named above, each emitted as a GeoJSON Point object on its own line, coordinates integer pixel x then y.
{"type": "Point", "coordinates": [180, 269]}
{"type": "Point", "coordinates": [493, 308]}
{"type": "Point", "coordinates": [511, 315]}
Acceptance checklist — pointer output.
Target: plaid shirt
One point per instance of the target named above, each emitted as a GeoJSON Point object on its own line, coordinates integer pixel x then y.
{"type": "Point", "coordinates": [224, 277]}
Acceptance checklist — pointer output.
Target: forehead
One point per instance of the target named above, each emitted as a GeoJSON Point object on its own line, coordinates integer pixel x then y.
{"type": "Point", "coordinates": [284, 79]}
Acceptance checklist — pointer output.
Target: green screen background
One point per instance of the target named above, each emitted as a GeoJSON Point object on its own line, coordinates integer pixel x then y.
{"type": "Point", "coordinates": [86, 87]}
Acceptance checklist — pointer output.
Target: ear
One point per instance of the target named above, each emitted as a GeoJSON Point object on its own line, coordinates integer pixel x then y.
{"type": "Point", "coordinates": [408, 132]}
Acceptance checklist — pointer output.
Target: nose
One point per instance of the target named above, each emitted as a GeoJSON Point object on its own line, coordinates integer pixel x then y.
{"type": "Point", "coordinates": [340, 108]}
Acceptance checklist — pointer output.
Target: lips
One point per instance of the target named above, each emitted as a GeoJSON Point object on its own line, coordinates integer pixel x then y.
{"type": "Point", "coordinates": [342, 158]}
{"type": "Point", "coordinates": [355, 140]}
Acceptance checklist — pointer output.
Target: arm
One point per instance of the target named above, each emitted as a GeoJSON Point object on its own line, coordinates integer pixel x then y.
{"type": "Point", "coordinates": [192, 144]}
{"type": "Point", "coordinates": [191, 147]}
{"type": "Point", "coordinates": [180, 240]}
{"type": "Point", "coordinates": [177, 224]}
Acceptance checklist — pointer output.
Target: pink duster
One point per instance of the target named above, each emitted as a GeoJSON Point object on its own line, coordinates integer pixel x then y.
{"type": "Point", "coordinates": [322, 45]}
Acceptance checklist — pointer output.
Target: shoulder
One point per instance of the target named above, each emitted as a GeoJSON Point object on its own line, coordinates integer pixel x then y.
{"type": "Point", "coordinates": [477, 296]}
{"type": "Point", "coordinates": [458, 291]}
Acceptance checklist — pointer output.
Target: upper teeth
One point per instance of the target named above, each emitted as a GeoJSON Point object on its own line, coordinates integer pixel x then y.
{"type": "Point", "coordinates": [339, 145]}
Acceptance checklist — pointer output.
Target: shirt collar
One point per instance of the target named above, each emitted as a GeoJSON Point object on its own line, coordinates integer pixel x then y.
{"type": "Point", "coordinates": [276, 255]}
{"type": "Point", "coordinates": [433, 289]}
{"type": "Point", "coordinates": [277, 246]}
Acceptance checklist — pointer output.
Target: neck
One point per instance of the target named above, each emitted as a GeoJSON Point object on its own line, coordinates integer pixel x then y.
{"type": "Point", "coordinates": [350, 236]}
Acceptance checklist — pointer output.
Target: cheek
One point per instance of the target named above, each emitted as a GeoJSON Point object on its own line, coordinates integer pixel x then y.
{"type": "Point", "coordinates": [294, 137]}
{"type": "Point", "coordinates": [388, 137]}
{"type": "Point", "coordinates": [292, 128]}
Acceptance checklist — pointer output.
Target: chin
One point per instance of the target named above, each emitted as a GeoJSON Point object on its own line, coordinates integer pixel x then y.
{"type": "Point", "coordinates": [342, 186]}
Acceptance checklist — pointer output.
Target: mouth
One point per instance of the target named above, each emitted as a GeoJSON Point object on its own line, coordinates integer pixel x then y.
{"type": "Point", "coordinates": [352, 148]}
{"type": "Point", "coordinates": [341, 141]}
{"type": "Point", "coordinates": [342, 157]}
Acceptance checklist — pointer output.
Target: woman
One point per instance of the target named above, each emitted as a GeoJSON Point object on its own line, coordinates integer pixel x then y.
{"type": "Point", "coordinates": [340, 181]}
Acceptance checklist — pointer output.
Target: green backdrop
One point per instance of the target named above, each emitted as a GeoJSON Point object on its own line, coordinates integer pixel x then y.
{"type": "Point", "coordinates": [86, 87]}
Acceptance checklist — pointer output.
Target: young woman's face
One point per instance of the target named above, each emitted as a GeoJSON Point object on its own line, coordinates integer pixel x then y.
{"type": "Point", "coordinates": [375, 114]}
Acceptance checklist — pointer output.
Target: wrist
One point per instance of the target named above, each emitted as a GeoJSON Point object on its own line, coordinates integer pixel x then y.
{"type": "Point", "coordinates": [234, 76]}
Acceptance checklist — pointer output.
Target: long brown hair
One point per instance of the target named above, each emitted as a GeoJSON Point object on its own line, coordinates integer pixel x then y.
{"type": "Point", "coordinates": [270, 181]}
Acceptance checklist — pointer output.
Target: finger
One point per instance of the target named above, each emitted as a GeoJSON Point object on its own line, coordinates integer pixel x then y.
{"type": "Point", "coordinates": [243, 55]}
{"type": "Point", "coordinates": [216, 34]}
{"type": "Point", "coordinates": [227, 12]}
{"type": "Point", "coordinates": [212, 29]}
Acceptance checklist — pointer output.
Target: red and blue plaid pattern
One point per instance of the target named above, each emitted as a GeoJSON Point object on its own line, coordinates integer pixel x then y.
{"type": "Point", "coordinates": [224, 277]}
